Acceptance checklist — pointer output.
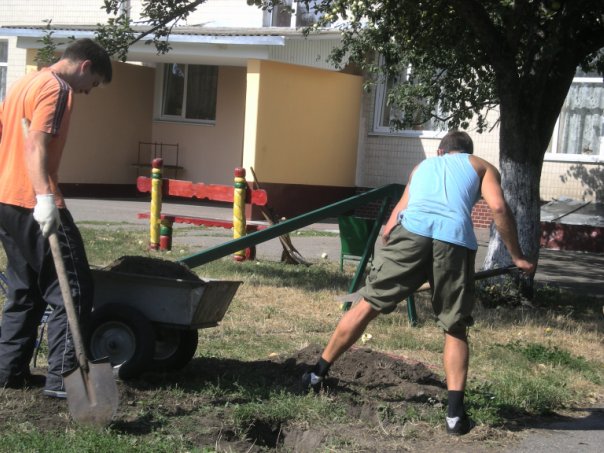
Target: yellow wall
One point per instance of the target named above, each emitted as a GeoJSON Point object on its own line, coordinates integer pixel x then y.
{"type": "Point", "coordinates": [301, 124]}
{"type": "Point", "coordinates": [210, 153]}
{"type": "Point", "coordinates": [106, 126]}
{"type": "Point", "coordinates": [30, 61]}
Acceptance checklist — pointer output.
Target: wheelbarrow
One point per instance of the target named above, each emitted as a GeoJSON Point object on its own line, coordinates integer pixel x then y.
{"type": "Point", "coordinates": [144, 322]}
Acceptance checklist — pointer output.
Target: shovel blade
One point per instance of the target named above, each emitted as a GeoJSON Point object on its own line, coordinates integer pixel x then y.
{"type": "Point", "coordinates": [92, 396]}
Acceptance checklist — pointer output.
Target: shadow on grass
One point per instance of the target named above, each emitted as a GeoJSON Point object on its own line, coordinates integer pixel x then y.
{"type": "Point", "coordinates": [219, 383]}
{"type": "Point", "coordinates": [484, 406]}
{"type": "Point", "coordinates": [223, 376]}
{"type": "Point", "coordinates": [516, 420]}
{"type": "Point", "coordinates": [593, 421]}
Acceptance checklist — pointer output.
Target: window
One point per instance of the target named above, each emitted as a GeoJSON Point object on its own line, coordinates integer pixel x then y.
{"type": "Point", "coordinates": [281, 15]}
{"type": "Point", "coordinates": [189, 92]}
{"type": "Point", "coordinates": [307, 16]}
{"type": "Point", "coordinates": [386, 115]}
{"type": "Point", "coordinates": [3, 68]}
{"type": "Point", "coordinates": [579, 132]}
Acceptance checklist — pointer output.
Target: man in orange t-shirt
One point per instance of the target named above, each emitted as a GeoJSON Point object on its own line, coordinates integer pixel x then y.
{"type": "Point", "coordinates": [34, 121]}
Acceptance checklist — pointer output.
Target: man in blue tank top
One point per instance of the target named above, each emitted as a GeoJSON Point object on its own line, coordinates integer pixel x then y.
{"type": "Point", "coordinates": [430, 237]}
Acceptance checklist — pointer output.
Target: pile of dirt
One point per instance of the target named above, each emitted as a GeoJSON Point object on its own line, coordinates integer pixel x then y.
{"type": "Point", "coordinates": [377, 374]}
{"type": "Point", "coordinates": [152, 267]}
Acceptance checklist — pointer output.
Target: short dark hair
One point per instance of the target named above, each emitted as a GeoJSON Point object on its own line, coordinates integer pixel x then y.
{"type": "Point", "coordinates": [87, 49]}
{"type": "Point", "coordinates": [456, 141]}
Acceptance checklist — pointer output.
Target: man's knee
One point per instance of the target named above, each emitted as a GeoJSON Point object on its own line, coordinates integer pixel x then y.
{"type": "Point", "coordinates": [367, 310]}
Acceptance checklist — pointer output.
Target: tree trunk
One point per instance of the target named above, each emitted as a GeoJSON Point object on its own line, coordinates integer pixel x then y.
{"type": "Point", "coordinates": [520, 183]}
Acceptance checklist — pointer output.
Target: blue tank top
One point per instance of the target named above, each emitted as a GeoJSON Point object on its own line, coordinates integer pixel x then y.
{"type": "Point", "coordinates": [442, 194]}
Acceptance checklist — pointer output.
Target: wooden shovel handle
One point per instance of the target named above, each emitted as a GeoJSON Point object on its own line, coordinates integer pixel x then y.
{"type": "Point", "coordinates": [72, 317]}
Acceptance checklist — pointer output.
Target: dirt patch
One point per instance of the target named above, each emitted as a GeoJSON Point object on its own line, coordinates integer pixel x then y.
{"type": "Point", "coordinates": [377, 374]}
{"type": "Point", "coordinates": [379, 392]}
{"type": "Point", "coordinates": [153, 267]}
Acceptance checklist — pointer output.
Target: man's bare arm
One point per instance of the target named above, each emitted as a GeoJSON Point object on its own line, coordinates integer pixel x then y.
{"type": "Point", "coordinates": [36, 148]}
{"type": "Point", "coordinates": [36, 158]}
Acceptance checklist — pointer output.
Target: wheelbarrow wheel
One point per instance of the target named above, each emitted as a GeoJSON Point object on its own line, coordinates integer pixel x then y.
{"type": "Point", "coordinates": [174, 348]}
{"type": "Point", "coordinates": [123, 334]}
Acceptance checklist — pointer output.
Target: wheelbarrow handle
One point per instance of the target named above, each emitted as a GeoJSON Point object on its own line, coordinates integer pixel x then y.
{"type": "Point", "coordinates": [494, 272]}
{"type": "Point", "coordinates": [479, 275]}
{"type": "Point", "coordinates": [72, 318]}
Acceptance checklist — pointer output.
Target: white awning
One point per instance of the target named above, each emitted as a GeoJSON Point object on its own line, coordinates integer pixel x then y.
{"type": "Point", "coordinates": [195, 45]}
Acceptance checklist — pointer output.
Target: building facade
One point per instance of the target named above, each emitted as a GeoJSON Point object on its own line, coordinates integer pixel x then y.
{"type": "Point", "coordinates": [244, 87]}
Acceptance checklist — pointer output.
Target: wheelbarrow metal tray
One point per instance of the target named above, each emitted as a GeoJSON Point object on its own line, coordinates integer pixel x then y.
{"type": "Point", "coordinates": [184, 303]}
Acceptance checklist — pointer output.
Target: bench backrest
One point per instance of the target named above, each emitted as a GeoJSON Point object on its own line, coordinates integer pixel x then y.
{"type": "Point", "coordinates": [201, 191]}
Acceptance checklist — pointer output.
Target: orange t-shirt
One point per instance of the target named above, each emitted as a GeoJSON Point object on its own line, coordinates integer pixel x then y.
{"type": "Point", "coordinates": [44, 99]}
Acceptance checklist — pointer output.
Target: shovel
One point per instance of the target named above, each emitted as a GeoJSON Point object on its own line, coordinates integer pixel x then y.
{"type": "Point", "coordinates": [91, 389]}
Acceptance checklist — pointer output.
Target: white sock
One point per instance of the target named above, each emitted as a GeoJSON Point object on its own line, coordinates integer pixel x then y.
{"type": "Point", "coordinates": [451, 421]}
{"type": "Point", "coordinates": [314, 379]}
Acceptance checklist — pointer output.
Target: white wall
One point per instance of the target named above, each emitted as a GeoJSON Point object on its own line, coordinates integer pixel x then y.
{"type": "Point", "coordinates": [226, 13]}
{"type": "Point", "coordinates": [213, 13]}
{"type": "Point", "coordinates": [305, 52]}
{"type": "Point", "coordinates": [16, 61]}
{"type": "Point", "coordinates": [33, 12]}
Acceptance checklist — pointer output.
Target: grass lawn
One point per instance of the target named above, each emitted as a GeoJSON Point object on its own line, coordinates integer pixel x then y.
{"type": "Point", "coordinates": [241, 390]}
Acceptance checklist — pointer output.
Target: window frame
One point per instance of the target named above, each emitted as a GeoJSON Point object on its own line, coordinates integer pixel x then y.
{"type": "Point", "coordinates": [4, 64]}
{"type": "Point", "coordinates": [381, 96]}
{"type": "Point", "coordinates": [160, 116]}
{"type": "Point", "coordinates": [553, 156]}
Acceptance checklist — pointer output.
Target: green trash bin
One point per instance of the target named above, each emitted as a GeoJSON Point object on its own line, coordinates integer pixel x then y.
{"type": "Point", "coordinates": [355, 232]}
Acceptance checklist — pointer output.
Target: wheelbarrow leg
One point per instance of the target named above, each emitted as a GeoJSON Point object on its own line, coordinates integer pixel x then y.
{"type": "Point", "coordinates": [411, 313]}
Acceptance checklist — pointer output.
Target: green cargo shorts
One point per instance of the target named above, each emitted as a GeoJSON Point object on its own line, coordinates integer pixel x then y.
{"type": "Point", "coordinates": [409, 260]}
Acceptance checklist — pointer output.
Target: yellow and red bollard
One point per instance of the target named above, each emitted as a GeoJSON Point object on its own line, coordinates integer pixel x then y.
{"type": "Point", "coordinates": [239, 226]}
{"type": "Point", "coordinates": [156, 196]}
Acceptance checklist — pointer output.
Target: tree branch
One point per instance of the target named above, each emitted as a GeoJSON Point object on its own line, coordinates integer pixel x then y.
{"type": "Point", "coordinates": [493, 42]}
{"type": "Point", "coordinates": [176, 15]}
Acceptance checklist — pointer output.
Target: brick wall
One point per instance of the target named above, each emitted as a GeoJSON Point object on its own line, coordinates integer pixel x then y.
{"type": "Point", "coordinates": [371, 210]}
{"type": "Point", "coordinates": [481, 215]}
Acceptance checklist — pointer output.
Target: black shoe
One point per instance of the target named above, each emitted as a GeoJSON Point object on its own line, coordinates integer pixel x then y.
{"type": "Point", "coordinates": [25, 380]}
{"type": "Point", "coordinates": [457, 426]}
{"type": "Point", "coordinates": [311, 381]}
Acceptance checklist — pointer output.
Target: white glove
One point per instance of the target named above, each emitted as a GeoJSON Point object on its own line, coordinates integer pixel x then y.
{"type": "Point", "coordinates": [46, 214]}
